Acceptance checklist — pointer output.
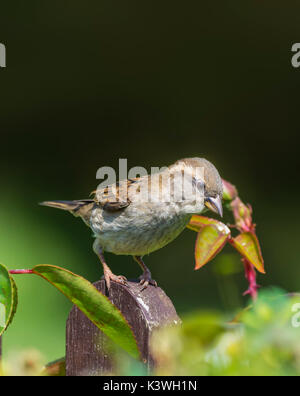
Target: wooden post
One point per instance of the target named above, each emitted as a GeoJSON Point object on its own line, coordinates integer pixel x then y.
{"type": "Point", "coordinates": [145, 311]}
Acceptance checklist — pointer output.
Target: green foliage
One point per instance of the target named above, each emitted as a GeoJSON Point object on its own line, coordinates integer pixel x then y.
{"type": "Point", "coordinates": [260, 341]}
{"type": "Point", "coordinates": [8, 298]}
{"type": "Point", "coordinates": [93, 304]}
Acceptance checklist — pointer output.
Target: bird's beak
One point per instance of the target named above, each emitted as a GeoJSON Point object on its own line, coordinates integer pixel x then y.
{"type": "Point", "coordinates": [214, 204]}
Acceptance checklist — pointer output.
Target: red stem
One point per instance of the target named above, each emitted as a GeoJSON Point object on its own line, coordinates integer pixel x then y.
{"type": "Point", "coordinates": [251, 277]}
{"type": "Point", "coordinates": [21, 271]}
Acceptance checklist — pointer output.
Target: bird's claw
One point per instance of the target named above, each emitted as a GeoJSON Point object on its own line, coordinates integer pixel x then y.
{"type": "Point", "coordinates": [109, 276]}
{"type": "Point", "coordinates": [146, 280]}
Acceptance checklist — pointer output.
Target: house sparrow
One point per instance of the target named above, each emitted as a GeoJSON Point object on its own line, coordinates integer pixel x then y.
{"type": "Point", "coordinates": [138, 216]}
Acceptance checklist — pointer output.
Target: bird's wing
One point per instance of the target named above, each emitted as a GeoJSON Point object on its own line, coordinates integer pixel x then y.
{"type": "Point", "coordinates": [116, 196]}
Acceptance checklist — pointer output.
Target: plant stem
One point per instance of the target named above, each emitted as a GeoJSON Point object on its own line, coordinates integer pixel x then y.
{"type": "Point", "coordinates": [251, 277]}
{"type": "Point", "coordinates": [21, 271]}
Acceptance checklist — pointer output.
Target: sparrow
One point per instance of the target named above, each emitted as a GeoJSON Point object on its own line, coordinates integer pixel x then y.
{"type": "Point", "coordinates": [141, 215]}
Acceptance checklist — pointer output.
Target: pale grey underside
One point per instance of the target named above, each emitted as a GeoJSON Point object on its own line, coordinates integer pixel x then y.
{"type": "Point", "coordinates": [138, 230]}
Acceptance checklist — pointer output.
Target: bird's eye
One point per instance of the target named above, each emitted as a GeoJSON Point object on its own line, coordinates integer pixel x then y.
{"type": "Point", "coordinates": [199, 184]}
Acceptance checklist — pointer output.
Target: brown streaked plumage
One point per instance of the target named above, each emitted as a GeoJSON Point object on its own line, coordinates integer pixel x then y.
{"type": "Point", "coordinates": [138, 216]}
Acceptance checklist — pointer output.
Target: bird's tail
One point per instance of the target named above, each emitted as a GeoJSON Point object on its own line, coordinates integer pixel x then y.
{"type": "Point", "coordinates": [78, 208]}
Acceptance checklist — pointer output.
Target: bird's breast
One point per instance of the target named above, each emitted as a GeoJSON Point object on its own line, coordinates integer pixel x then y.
{"type": "Point", "coordinates": [139, 229]}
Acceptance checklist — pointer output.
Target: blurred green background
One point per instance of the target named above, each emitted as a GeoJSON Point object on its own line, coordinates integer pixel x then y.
{"type": "Point", "coordinates": [88, 83]}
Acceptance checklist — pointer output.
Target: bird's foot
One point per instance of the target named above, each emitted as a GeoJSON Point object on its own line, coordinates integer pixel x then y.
{"type": "Point", "coordinates": [146, 280]}
{"type": "Point", "coordinates": [109, 276]}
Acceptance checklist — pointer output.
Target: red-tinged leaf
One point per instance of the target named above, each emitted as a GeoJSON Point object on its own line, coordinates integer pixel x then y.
{"type": "Point", "coordinates": [248, 246]}
{"type": "Point", "coordinates": [198, 222]}
{"type": "Point", "coordinates": [210, 241]}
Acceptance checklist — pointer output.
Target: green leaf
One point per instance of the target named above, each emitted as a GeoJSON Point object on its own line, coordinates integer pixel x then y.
{"type": "Point", "coordinates": [8, 298]}
{"type": "Point", "coordinates": [198, 222]}
{"type": "Point", "coordinates": [210, 241]}
{"type": "Point", "coordinates": [15, 300]}
{"type": "Point", "coordinates": [248, 246]}
{"type": "Point", "coordinates": [93, 304]}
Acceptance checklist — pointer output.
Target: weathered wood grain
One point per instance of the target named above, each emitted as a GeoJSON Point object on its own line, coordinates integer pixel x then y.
{"type": "Point", "coordinates": [145, 311]}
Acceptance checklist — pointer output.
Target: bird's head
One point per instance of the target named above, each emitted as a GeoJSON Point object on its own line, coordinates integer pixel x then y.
{"type": "Point", "coordinates": [206, 178]}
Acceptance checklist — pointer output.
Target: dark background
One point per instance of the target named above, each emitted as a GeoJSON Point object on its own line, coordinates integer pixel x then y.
{"type": "Point", "coordinates": [88, 83]}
